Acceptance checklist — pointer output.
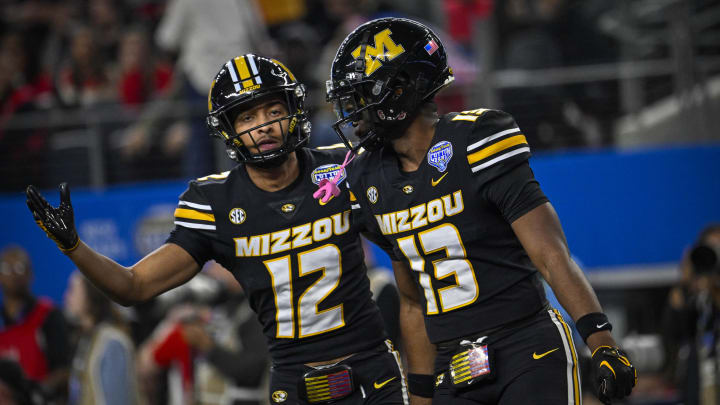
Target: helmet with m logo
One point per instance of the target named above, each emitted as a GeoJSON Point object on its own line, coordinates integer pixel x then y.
{"type": "Point", "coordinates": [382, 73]}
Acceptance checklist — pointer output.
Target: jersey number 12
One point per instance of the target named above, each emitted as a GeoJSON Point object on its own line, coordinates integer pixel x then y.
{"type": "Point", "coordinates": [311, 321]}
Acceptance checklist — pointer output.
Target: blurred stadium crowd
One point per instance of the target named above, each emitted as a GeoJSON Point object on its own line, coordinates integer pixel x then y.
{"type": "Point", "coordinates": [98, 92]}
{"type": "Point", "coordinates": [104, 91]}
{"type": "Point", "coordinates": [199, 343]}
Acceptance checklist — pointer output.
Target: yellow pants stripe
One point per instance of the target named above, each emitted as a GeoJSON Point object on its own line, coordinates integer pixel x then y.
{"type": "Point", "coordinates": [573, 376]}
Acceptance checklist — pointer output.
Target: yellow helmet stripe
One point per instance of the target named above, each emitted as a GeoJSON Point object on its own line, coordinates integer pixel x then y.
{"type": "Point", "coordinates": [242, 67]}
{"type": "Point", "coordinates": [243, 71]}
{"type": "Point", "coordinates": [209, 94]}
{"type": "Point", "coordinates": [292, 76]}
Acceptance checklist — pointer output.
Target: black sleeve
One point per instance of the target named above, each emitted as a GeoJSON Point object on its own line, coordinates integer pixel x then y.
{"type": "Point", "coordinates": [194, 224]}
{"type": "Point", "coordinates": [57, 341]}
{"type": "Point", "coordinates": [515, 193]}
{"type": "Point", "coordinates": [196, 243]}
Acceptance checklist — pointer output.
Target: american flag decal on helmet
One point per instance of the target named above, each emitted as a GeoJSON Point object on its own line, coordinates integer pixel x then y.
{"type": "Point", "coordinates": [431, 47]}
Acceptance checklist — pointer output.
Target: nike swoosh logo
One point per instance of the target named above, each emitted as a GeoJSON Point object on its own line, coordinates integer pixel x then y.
{"type": "Point", "coordinates": [601, 325]}
{"type": "Point", "coordinates": [382, 384]}
{"type": "Point", "coordinates": [540, 356]}
{"type": "Point", "coordinates": [434, 182]}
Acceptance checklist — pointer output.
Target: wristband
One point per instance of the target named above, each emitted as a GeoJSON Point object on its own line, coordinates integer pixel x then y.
{"type": "Point", "coordinates": [591, 323]}
{"type": "Point", "coordinates": [422, 385]}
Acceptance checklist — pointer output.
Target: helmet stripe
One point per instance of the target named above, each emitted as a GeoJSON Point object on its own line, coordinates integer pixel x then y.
{"type": "Point", "coordinates": [243, 71]}
{"type": "Point", "coordinates": [210, 95]}
{"type": "Point", "coordinates": [233, 75]}
{"type": "Point", "coordinates": [251, 59]}
{"type": "Point", "coordinates": [292, 76]}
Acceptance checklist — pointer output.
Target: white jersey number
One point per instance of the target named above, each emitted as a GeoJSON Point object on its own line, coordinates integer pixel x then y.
{"type": "Point", "coordinates": [311, 321]}
{"type": "Point", "coordinates": [445, 237]}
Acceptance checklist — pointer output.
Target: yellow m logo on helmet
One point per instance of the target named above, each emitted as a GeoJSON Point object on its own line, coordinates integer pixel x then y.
{"type": "Point", "coordinates": [385, 49]}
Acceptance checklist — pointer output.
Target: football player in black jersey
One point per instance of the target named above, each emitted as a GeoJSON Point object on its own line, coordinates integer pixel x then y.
{"type": "Point", "coordinates": [454, 203]}
{"type": "Point", "coordinates": [300, 262]}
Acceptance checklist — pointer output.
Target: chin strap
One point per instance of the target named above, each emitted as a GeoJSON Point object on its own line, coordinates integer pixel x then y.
{"type": "Point", "coordinates": [328, 189]}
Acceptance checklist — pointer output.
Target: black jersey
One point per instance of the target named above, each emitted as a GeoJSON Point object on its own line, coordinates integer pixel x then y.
{"type": "Point", "coordinates": [300, 262]}
{"type": "Point", "coordinates": [450, 221]}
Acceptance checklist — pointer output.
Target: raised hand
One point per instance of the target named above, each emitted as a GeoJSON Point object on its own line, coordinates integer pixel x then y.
{"type": "Point", "coordinates": [58, 223]}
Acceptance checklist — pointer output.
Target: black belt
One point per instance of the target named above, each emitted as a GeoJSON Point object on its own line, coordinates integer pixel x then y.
{"type": "Point", "coordinates": [492, 333]}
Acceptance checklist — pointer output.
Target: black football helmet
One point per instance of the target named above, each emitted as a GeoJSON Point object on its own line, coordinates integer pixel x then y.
{"type": "Point", "coordinates": [382, 72]}
{"type": "Point", "coordinates": [240, 83]}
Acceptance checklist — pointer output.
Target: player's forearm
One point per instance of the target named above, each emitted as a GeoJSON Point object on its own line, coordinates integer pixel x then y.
{"type": "Point", "coordinates": [541, 235]}
{"type": "Point", "coordinates": [575, 294]}
{"type": "Point", "coordinates": [113, 279]}
{"type": "Point", "coordinates": [420, 353]}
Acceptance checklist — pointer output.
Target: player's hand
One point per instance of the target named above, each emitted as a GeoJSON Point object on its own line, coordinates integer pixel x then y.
{"type": "Point", "coordinates": [58, 223]}
{"type": "Point", "coordinates": [613, 374]}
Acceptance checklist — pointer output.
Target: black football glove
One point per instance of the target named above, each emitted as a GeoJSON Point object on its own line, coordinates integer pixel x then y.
{"type": "Point", "coordinates": [58, 223]}
{"type": "Point", "coordinates": [613, 374]}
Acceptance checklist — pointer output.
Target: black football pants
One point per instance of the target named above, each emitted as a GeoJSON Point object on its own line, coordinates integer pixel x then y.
{"type": "Point", "coordinates": [535, 364]}
{"type": "Point", "coordinates": [377, 376]}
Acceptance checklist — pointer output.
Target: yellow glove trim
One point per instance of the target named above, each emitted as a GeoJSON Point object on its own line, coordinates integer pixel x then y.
{"type": "Point", "coordinates": [606, 364]}
{"type": "Point", "coordinates": [598, 348]}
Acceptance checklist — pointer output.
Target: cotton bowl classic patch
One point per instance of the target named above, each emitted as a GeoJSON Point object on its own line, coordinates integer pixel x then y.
{"type": "Point", "coordinates": [439, 155]}
{"type": "Point", "coordinates": [327, 172]}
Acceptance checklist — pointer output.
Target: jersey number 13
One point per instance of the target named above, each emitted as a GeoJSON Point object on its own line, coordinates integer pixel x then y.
{"type": "Point", "coordinates": [443, 238]}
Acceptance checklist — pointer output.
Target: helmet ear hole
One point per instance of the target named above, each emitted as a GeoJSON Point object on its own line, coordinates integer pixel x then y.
{"type": "Point", "coordinates": [400, 79]}
{"type": "Point", "coordinates": [399, 84]}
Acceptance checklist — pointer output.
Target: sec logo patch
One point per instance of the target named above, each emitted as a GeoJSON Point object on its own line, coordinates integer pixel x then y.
{"type": "Point", "coordinates": [237, 216]}
{"type": "Point", "coordinates": [372, 194]}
